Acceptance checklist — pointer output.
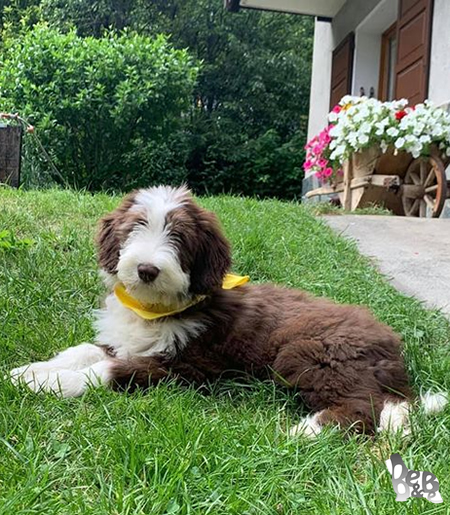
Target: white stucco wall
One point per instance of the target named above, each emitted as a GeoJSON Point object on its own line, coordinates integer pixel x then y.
{"type": "Point", "coordinates": [321, 78]}
{"type": "Point", "coordinates": [439, 85]}
{"type": "Point", "coordinates": [327, 36]}
{"type": "Point", "coordinates": [350, 16]}
{"type": "Point", "coordinates": [366, 69]}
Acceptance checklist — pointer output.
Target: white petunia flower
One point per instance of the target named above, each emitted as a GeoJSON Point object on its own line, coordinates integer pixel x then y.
{"type": "Point", "coordinates": [393, 132]}
{"type": "Point", "coordinates": [400, 143]}
{"type": "Point", "coordinates": [333, 117]}
{"type": "Point", "coordinates": [363, 139]}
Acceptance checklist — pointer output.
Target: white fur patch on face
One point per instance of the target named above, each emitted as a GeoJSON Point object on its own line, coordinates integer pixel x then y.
{"type": "Point", "coordinates": [150, 243]}
{"type": "Point", "coordinates": [161, 199]}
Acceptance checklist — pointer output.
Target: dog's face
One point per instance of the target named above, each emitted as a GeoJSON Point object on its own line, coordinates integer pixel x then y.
{"type": "Point", "coordinates": [162, 246]}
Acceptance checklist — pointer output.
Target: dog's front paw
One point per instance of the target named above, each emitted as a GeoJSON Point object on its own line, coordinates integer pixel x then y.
{"type": "Point", "coordinates": [38, 377]}
{"type": "Point", "coordinates": [15, 375]}
{"type": "Point", "coordinates": [26, 372]}
{"type": "Point", "coordinates": [22, 374]}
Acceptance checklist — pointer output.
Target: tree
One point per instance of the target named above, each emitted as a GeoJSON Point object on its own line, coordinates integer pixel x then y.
{"type": "Point", "coordinates": [95, 100]}
{"type": "Point", "coordinates": [249, 105]}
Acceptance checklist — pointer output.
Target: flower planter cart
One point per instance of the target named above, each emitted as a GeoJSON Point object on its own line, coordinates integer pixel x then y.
{"type": "Point", "coordinates": [400, 183]}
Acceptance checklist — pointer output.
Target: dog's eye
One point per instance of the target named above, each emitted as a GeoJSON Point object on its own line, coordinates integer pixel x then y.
{"type": "Point", "coordinates": [142, 222]}
{"type": "Point", "coordinates": [177, 237]}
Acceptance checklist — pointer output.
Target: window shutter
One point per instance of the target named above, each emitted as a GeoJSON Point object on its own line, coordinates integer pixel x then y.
{"type": "Point", "coordinates": [413, 51]}
{"type": "Point", "coordinates": [342, 69]}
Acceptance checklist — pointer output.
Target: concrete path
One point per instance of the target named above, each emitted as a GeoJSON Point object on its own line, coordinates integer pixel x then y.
{"type": "Point", "coordinates": [414, 253]}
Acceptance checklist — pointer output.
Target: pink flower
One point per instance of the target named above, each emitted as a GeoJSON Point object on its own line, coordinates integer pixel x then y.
{"type": "Point", "coordinates": [317, 149]}
{"type": "Point", "coordinates": [307, 165]}
{"type": "Point", "coordinates": [337, 109]}
{"type": "Point", "coordinates": [317, 155]}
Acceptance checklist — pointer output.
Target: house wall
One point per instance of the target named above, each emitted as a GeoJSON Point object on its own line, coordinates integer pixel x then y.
{"type": "Point", "coordinates": [367, 63]}
{"type": "Point", "coordinates": [350, 16]}
{"type": "Point", "coordinates": [369, 19]}
{"type": "Point", "coordinates": [327, 36]}
{"type": "Point", "coordinates": [439, 86]}
{"type": "Point", "coordinates": [366, 70]}
{"type": "Point", "coordinates": [321, 78]}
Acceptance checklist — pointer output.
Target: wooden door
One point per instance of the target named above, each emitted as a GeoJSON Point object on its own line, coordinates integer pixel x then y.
{"type": "Point", "coordinates": [388, 62]}
{"type": "Point", "coordinates": [342, 70]}
{"type": "Point", "coordinates": [413, 51]}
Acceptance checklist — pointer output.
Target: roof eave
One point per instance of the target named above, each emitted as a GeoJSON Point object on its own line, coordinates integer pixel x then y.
{"type": "Point", "coordinates": [325, 10]}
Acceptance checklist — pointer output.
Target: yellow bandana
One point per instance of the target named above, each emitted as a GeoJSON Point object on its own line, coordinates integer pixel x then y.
{"type": "Point", "coordinates": [154, 311]}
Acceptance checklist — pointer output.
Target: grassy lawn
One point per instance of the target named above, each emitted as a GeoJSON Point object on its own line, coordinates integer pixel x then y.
{"type": "Point", "coordinates": [175, 450]}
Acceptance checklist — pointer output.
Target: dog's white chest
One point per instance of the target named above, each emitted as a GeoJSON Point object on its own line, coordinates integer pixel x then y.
{"type": "Point", "coordinates": [130, 335]}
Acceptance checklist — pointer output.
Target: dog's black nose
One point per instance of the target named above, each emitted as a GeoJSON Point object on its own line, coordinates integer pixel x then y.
{"type": "Point", "coordinates": [147, 273]}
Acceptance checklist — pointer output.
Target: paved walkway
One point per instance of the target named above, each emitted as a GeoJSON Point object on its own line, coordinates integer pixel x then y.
{"type": "Point", "coordinates": [414, 253]}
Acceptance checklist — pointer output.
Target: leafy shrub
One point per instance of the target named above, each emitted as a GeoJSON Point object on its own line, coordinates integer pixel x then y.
{"type": "Point", "coordinates": [97, 102]}
{"type": "Point", "coordinates": [223, 161]}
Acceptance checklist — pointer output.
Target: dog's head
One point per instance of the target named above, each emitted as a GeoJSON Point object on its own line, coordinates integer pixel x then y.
{"type": "Point", "coordinates": [162, 246]}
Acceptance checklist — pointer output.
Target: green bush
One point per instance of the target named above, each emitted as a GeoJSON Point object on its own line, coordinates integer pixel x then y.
{"type": "Point", "coordinates": [223, 161]}
{"type": "Point", "coordinates": [98, 103]}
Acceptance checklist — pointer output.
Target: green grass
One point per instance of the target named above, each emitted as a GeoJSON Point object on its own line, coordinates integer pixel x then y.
{"type": "Point", "coordinates": [326, 208]}
{"type": "Point", "coordinates": [175, 450]}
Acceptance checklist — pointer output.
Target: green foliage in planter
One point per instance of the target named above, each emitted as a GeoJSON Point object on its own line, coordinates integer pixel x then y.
{"type": "Point", "coordinates": [93, 101]}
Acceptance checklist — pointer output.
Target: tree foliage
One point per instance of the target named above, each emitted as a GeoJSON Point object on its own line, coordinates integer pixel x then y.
{"type": "Point", "coordinates": [246, 126]}
{"type": "Point", "coordinates": [94, 99]}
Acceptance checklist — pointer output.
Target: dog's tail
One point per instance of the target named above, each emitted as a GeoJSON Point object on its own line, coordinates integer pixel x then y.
{"type": "Point", "coordinates": [395, 414]}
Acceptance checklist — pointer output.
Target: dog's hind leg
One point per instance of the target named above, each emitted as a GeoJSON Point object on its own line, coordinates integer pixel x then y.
{"type": "Point", "coordinates": [355, 414]}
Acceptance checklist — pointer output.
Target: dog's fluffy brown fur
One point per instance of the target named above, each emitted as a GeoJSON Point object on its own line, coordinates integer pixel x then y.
{"type": "Point", "coordinates": [339, 358]}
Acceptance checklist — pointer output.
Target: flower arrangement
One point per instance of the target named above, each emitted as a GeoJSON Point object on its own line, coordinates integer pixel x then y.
{"type": "Point", "coordinates": [357, 123]}
{"type": "Point", "coordinates": [318, 156]}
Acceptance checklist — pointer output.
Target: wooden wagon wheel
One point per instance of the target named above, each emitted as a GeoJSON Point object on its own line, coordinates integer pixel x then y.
{"type": "Point", "coordinates": [424, 189]}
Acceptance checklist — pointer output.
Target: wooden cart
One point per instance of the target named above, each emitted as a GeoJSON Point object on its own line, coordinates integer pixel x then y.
{"type": "Point", "coordinates": [402, 184]}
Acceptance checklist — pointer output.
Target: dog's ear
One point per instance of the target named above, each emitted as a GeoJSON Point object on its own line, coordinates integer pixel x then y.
{"type": "Point", "coordinates": [109, 235]}
{"type": "Point", "coordinates": [212, 257]}
{"type": "Point", "coordinates": [108, 243]}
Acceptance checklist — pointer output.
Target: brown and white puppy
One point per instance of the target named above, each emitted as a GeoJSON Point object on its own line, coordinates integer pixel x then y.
{"type": "Point", "coordinates": [346, 366]}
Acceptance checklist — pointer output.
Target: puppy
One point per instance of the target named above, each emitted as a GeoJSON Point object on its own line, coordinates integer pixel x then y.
{"type": "Point", "coordinates": [170, 315]}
